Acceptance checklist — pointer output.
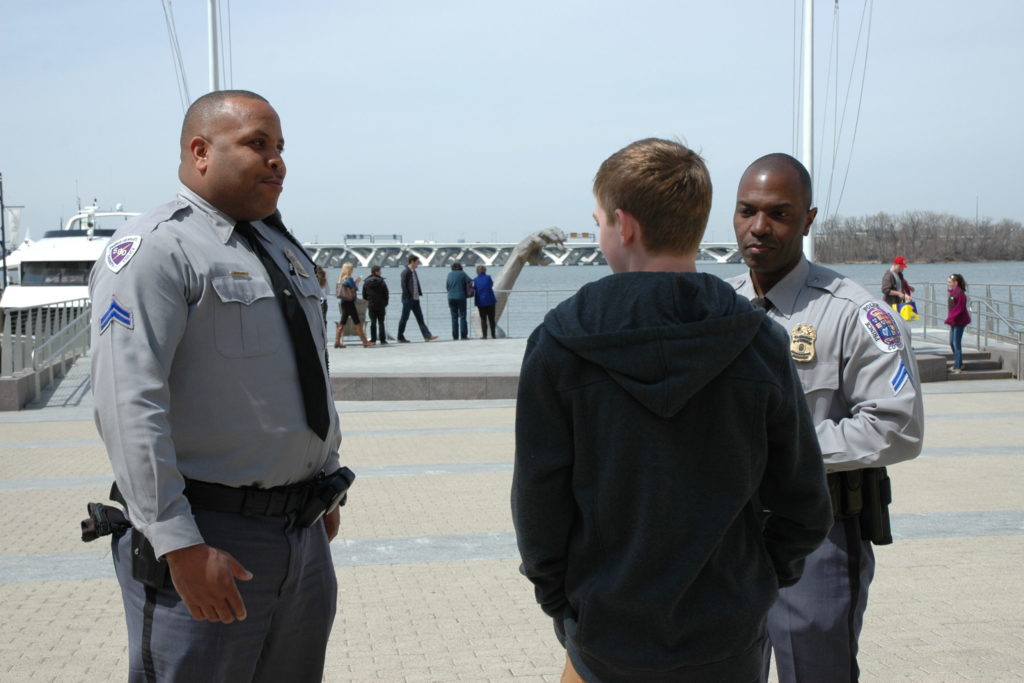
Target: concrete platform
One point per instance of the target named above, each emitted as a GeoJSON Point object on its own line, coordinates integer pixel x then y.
{"type": "Point", "coordinates": [427, 563]}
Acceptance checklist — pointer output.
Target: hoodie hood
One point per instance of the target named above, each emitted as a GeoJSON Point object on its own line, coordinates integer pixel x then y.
{"type": "Point", "coordinates": [661, 336]}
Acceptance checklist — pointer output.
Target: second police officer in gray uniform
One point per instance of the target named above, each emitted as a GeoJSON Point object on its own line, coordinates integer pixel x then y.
{"type": "Point", "coordinates": [214, 404]}
{"type": "Point", "coordinates": [859, 375]}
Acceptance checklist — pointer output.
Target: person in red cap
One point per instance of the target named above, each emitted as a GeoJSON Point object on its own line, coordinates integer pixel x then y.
{"type": "Point", "coordinates": [895, 287]}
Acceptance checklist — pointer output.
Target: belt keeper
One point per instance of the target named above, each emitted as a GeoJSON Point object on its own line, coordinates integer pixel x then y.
{"type": "Point", "coordinates": [255, 502]}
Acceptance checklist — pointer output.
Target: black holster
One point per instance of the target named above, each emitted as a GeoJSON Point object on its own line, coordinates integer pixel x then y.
{"type": "Point", "coordinates": [107, 520]}
{"type": "Point", "coordinates": [867, 494]}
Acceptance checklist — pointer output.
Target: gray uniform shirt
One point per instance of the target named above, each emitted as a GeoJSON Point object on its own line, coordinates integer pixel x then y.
{"type": "Point", "coordinates": [193, 371]}
{"type": "Point", "coordinates": [856, 365]}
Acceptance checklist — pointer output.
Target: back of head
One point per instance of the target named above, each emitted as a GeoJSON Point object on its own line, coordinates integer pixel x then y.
{"type": "Point", "coordinates": [665, 186]}
{"type": "Point", "coordinates": [374, 270]}
{"type": "Point", "coordinates": [346, 270]}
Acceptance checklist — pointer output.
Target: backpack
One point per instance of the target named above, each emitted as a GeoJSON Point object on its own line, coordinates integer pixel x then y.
{"type": "Point", "coordinates": [345, 293]}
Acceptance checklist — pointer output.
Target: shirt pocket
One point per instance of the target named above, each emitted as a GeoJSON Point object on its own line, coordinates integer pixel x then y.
{"type": "Point", "coordinates": [820, 380]}
{"type": "Point", "coordinates": [248, 320]}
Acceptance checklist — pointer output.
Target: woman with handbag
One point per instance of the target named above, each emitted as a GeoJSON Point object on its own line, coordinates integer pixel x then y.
{"type": "Point", "coordinates": [346, 290]}
{"type": "Point", "coordinates": [957, 319]}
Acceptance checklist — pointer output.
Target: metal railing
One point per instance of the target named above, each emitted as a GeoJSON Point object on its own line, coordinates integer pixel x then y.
{"type": "Point", "coordinates": [992, 316]}
{"type": "Point", "coordinates": [39, 338]}
{"type": "Point", "coordinates": [524, 310]}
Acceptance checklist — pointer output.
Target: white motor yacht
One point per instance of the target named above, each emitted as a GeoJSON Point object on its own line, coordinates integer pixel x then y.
{"type": "Point", "coordinates": [56, 268]}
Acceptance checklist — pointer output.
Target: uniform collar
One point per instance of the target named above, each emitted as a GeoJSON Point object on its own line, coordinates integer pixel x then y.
{"type": "Point", "coordinates": [223, 225]}
{"type": "Point", "coordinates": [786, 291]}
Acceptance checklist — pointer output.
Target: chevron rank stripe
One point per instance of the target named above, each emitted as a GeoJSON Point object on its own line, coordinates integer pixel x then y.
{"type": "Point", "coordinates": [116, 313]}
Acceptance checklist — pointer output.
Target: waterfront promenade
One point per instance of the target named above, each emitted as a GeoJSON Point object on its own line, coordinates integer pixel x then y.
{"type": "Point", "coordinates": [426, 560]}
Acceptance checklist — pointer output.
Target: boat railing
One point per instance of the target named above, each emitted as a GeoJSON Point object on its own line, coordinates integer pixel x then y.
{"type": "Point", "coordinates": [41, 339]}
{"type": "Point", "coordinates": [993, 322]}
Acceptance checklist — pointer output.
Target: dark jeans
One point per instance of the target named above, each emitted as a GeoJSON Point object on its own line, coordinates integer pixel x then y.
{"type": "Point", "coordinates": [412, 306]}
{"type": "Point", "coordinates": [377, 331]}
{"type": "Point", "coordinates": [956, 343]}
{"type": "Point", "coordinates": [459, 324]}
{"type": "Point", "coordinates": [487, 317]}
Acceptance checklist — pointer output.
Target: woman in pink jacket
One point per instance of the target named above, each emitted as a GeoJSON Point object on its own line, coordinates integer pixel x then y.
{"type": "Point", "coordinates": [958, 318]}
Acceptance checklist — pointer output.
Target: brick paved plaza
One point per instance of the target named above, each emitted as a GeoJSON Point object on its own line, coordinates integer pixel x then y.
{"type": "Point", "coordinates": [427, 566]}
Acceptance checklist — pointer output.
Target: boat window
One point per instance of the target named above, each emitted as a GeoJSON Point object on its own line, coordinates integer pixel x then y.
{"type": "Point", "coordinates": [56, 273]}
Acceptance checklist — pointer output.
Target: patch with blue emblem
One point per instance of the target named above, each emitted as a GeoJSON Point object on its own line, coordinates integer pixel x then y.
{"type": "Point", "coordinates": [121, 251]}
{"type": "Point", "coordinates": [899, 378]}
{"type": "Point", "coordinates": [116, 313]}
{"type": "Point", "coordinates": [878, 321]}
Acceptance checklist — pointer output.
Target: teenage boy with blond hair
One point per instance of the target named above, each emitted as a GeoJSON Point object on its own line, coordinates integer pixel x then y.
{"type": "Point", "coordinates": [667, 474]}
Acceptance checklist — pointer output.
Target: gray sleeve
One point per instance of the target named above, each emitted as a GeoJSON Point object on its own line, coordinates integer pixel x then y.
{"type": "Point", "coordinates": [884, 415]}
{"type": "Point", "coordinates": [132, 353]}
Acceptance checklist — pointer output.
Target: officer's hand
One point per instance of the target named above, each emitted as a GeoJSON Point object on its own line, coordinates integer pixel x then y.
{"type": "Point", "coordinates": [332, 522]}
{"type": "Point", "coordinates": [205, 579]}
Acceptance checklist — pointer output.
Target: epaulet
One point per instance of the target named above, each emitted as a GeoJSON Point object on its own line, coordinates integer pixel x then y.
{"type": "Point", "coordinates": [150, 220]}
{"type": "Point", "coordinates": [838, 285]}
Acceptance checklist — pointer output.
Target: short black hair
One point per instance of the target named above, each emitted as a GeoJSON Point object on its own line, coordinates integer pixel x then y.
{"type": "Point", "coordinates": [778, 161]}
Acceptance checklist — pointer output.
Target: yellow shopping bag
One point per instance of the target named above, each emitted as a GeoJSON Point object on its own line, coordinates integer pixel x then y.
{"type": "Point", "coordinates": [908, 311]}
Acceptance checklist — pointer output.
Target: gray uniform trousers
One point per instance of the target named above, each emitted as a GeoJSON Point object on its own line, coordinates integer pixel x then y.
{"type": "Point", "coordinates": [290, 603]}
{"type": "Point", "coordinates": [815, 624]}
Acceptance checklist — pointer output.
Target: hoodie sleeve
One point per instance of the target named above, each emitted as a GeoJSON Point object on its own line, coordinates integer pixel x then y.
{"type": "Point", "coordinates": [543, 508]}
{"type": "Point", "coordinates": [793, 490]}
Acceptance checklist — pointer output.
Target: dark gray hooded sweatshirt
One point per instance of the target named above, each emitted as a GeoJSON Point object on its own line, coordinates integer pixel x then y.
{"type": "Point", "coordinates": [667, 476]}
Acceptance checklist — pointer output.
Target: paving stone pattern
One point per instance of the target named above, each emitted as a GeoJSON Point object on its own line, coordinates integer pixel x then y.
{"type": "Point", "coordinates": [426, 564]}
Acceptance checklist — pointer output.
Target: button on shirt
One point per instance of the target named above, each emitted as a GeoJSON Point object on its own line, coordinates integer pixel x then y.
{"type": "Point", "coordinates": [192, 368]}
{"type": "Point", "coordinates": [863, 390]}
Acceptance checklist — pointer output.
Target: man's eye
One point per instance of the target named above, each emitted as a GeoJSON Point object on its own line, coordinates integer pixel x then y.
{"type": "Point", "coordinates": [258, 142]}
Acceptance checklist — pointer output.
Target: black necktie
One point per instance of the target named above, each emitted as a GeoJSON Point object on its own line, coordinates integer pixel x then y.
{"type": "Point", "coordinates": [762, 302]}
{"type": "Point", "coordinates": [311, 375]}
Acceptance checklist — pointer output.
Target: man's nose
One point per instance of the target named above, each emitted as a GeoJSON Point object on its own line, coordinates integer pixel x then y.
{"type": "Point", "coordinates": [759, 224]}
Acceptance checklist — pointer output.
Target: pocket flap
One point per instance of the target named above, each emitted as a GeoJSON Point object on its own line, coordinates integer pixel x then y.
{"type": "Point", "coordinates": [244, 290]}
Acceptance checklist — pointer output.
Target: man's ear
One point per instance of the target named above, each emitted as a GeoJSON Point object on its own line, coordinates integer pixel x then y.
{"type": "Point", "coordinates": [811, 213]}
{"type": "Point", "coordinates": [199, 148]}
{"type": "Point", "coordinates": [628, 226]}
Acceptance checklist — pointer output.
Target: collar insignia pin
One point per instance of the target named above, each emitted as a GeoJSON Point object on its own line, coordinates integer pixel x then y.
{"type": "Point", "coordinates": [295, 263]}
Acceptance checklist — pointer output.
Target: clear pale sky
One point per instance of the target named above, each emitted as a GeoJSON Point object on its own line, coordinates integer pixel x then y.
{"type": "Point", "coordinates": [481, 120]}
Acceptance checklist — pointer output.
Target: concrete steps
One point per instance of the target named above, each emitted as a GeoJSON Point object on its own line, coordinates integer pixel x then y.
{"type": "Point", "coordinates": [977, 365]}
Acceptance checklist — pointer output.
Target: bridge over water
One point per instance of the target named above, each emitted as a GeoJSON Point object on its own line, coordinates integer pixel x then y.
{"type": "Point", "coordinates": [385, 253]}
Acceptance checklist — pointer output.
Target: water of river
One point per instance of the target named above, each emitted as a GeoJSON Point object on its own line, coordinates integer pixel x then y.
{"type": "Point", "coordinates": [539, 288]}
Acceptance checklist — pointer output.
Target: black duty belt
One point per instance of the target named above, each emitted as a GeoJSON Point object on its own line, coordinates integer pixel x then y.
{"type": "Point", "coordinates": [280, 501]}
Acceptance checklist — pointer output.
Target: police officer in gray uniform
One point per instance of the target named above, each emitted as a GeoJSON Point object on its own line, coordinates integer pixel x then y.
{"type": "Point", "coordinates": [859, 376]}
{"type": "Point", "coordinates": [223, 437]}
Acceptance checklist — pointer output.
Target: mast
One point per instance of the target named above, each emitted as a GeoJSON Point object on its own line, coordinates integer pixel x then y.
{"type": "Point", "coordinates": [807, 107]}
{"type": "Point", "coordinates": [214, 47]}
{"type": "Point", "coordinates": [3, 233]}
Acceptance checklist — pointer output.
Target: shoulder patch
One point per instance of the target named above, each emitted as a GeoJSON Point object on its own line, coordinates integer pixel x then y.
{"type": "Point", "coordinates": [121, 251]}
{"type": "Point", "coordinates": [878, 321]}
